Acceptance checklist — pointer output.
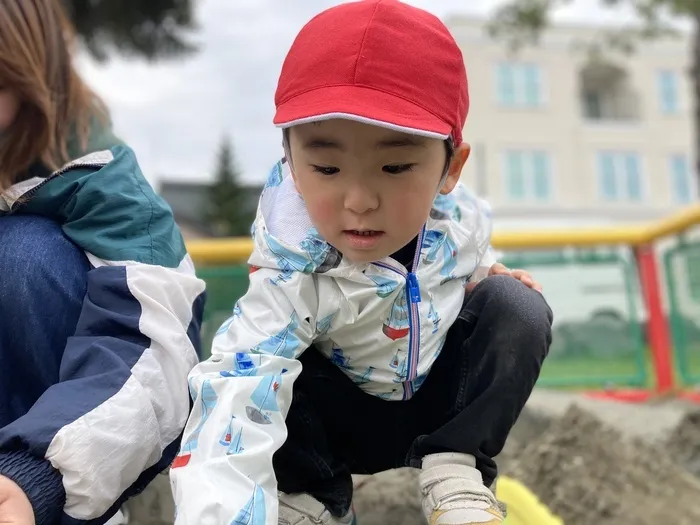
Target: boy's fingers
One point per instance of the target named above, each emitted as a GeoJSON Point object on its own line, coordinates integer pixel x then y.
{"type": "Point", "coordinates": [499, 269]}
{"type": "Point", "coordinates": [530, 282]}
{"type": "Point", "coordinates": [527, 280]}
{"type": "Point", "coordinates": [520, 274]}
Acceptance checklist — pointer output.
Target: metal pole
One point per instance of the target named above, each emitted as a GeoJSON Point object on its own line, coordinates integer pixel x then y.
{"type": "Point", "coordinates": [657, 324]}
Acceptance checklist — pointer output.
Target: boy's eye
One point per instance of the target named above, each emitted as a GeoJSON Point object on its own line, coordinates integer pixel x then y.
{"type": "Point", "coordinates": [397, 168]}
{"type": "Point", "coordinates": [325, 170]}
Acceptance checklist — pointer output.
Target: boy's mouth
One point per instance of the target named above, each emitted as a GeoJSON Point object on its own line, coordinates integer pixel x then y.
{"type": "Point", "coordinates": [362, 239]}
{"type": "Point", "coordinates": [364, 233]}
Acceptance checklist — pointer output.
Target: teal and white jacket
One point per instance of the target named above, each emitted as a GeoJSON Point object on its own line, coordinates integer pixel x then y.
{"type": "Point", "coordinates": [115, 418]}
{"type": "Point", "coordinates": [383, 326]}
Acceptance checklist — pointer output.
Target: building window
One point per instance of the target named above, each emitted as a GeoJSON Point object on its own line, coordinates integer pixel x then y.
{"type": "Point", "coordinates": [607, 94]}
{"type": "Point", "coordinates": [668, 92]}
{"type": "Point", "coordinates": [681, 183]}
{"type": "Point", "coordinates": [593, 105]}
{"type": "Point", "coordinates": [528, 175]}
{"type": "Point", "coordinates": [620, 176]}
{"type": "Point", "coordinates": [519, 85]}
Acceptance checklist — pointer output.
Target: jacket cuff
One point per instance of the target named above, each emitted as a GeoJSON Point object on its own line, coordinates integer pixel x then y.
{"type": "Point", "coordinates": [40, 482]}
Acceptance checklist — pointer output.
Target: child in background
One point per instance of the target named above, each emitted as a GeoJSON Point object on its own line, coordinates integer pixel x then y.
{"type": "Point", "coordinates": [357, 348]}
{"type": "Point", "coordinates": [100, 308]}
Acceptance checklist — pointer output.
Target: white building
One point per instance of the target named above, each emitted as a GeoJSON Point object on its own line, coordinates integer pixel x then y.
{"type": "Point", "coordinates": [558, 140]}
{"type": "Point", "coordinates": [561, 141]}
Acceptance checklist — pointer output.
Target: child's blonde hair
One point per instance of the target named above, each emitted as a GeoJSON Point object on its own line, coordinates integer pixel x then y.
{"type": "Point", "coordinates": [36, 51]}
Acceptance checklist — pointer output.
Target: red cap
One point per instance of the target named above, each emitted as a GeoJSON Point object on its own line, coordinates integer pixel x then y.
{"type": "Point", "coordinates": [381, 62]}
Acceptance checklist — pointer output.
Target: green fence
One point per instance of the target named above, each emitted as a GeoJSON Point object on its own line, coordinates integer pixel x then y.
{"type": "Point", "coordinates": [225, 284]}
{"type": "Point", "coordinates": [682, 272]}
{"type": "Point", "coordinates": [598, 337]}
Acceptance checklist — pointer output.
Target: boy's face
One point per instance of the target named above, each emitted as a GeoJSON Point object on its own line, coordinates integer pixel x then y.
{"type": "Point", "coordinates": [368, 189]}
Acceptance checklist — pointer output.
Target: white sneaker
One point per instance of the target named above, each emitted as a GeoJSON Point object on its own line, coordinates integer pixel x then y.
{"type": "Point", "coordinates": [454, 493]}
{"type": "Point", "coordinates": [304, 509]}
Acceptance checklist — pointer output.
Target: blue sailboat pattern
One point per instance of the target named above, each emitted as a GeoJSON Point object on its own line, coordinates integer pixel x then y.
{"type": "Point", "coordinates": [324, 325]}
{"type": "Point", "coordinates": [316, 256]}
{"type": "Point", "coordinates": [435, 241]}
{"type": "Point", "coordinates": [227, 323]}
{"type": "Point", "coordinates": [401, 371]}
{"type": "Point", "coordinates": [324, 256]}
{"type": "Point", "coordinates": [264, 400]}
{"type": "Point", "coordinates": [225, 439]}
{"type": "Point", "coordinates": [232, 442]}
{"type": "Point", "coordinates": [394, 363]}
{"type": "Point", "coordinates": [385, 286]}
{"type": "Point", "coordinates": [365, 377]}
{"type": "Point", "coordinates": [285, 343]}
{"type": "Point", "coordinates": [434, 317]}
{"type": "Point", "coordinates": [253, 513]}
{"type": "Point", "coordinates": [386, 396]}
{"type": "Point", "coordinates": [275, 177]}
{"type": "Point", "coordinates": [225, 326]}
{"type": "Point", "coordinates": [236, 445]}
{"type": "Point", "coordinates": [446, 206]}
{"type": "Point", "coordinates": [287, 260]}
{"type": "Point", "coordinates": [208, 401]}
{"type": "Point", "coordinates": [315, 249]}
{"type": "Point", "coordinates": [419, 380]}
{"type": "Point", "coordinates": [243, 366]}
{"type": "Point", "coordinates": [338, 359]}
{"type": "Point", "coordinates": [397, 324]}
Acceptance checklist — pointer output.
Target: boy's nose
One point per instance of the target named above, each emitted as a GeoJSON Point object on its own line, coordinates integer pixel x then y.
{"type": "Point", "coordinates": [361, 199]}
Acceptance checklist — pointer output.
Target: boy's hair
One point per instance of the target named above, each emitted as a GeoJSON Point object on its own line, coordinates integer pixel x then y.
{"type": "Point", "coordinates": [36, 48]}
{"type": "Point", "coordinates": [449, 151]}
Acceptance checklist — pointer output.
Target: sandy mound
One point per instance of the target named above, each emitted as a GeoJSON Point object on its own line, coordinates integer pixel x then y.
{"type": "Point", "coordinates": [684, 443]}
{"type": "Point", "coordinates": [587, 474]}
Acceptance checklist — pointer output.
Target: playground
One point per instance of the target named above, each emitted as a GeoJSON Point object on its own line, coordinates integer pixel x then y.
{"type": "Point", "coordinates": [612, 433]}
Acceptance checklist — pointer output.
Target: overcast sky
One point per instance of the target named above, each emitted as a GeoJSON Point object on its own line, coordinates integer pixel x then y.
{"type": "Point", "coordinates": [174, 114]}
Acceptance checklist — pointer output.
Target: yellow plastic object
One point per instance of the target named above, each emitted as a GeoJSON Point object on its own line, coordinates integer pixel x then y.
{"type": "Point", "coordinates": [523, 506]}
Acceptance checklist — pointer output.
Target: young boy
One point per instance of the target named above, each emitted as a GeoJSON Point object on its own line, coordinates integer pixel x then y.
{"type": "Point", "coordinates": [357, 348]}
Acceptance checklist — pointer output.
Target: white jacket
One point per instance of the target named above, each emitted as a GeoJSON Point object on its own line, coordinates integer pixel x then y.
{"type": "Point", "coordinates": [381, 325]}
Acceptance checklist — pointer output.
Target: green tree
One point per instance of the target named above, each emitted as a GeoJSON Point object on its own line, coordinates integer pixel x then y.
{"type": "Point", "coordinates": [231, 211]}
{"type": "Point", "coordinates": [521, 22]}
{"type": "Point", "coordinates": [150, 29]}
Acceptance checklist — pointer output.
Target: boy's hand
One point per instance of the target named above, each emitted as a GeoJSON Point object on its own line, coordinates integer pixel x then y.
{"type": "Point", "coordinates": [521, 275]}
{"type": "Point", "coordinates": [15, 508]}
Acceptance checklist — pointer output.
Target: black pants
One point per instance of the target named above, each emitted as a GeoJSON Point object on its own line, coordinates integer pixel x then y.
{"type": "Point", "coordinates": [468, 403]}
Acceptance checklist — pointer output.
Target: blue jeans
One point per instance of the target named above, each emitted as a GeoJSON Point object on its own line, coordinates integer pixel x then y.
{"type": "Point", "coordinates": [42, 285]}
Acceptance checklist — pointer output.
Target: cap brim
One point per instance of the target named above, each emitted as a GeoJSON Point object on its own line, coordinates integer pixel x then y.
{"type": "Point", "coordinates": [361, 104]}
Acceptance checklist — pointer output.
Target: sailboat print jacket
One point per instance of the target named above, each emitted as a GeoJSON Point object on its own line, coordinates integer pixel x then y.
{"type": "Point", "coordinates": [384, 327]}
{"type": "Point", "coordinates": [114, 419]}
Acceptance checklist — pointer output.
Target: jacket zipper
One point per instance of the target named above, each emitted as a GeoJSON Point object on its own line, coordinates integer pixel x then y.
{"type": "Point", "coordinates": [413, 297]}
{"type": "Point", "coordinates": [21, 200]}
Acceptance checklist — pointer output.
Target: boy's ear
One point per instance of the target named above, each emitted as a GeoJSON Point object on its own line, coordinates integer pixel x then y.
{"type": "Point", "coordinates": [454, 172]}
